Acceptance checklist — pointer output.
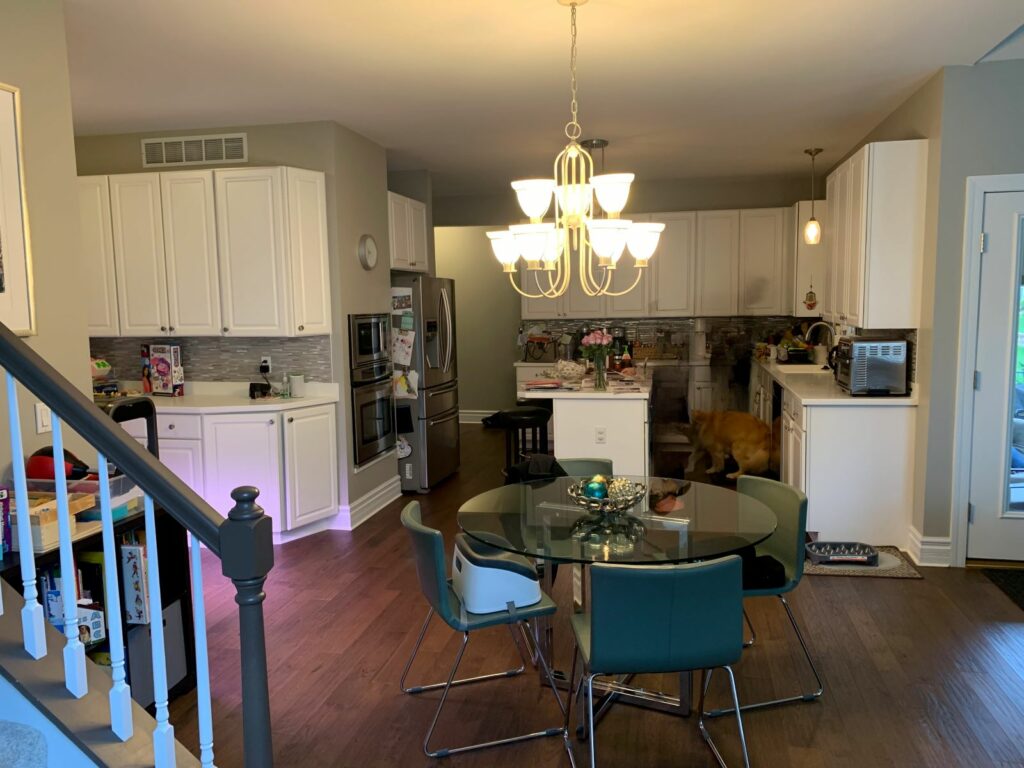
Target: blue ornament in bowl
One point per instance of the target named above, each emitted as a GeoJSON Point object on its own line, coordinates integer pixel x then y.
{"type": "Point", "coordinates": [596, 489]}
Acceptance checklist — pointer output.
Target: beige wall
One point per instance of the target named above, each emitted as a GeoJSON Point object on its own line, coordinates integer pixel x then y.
{"type": "Point", "coordinates": [33, 57]}
{"type": "Point", "coordinates": [487, 310]}
{"type": "Point", "coordinates": [356, 182]}
{"type": "Point", "coordinates": [645, 197]}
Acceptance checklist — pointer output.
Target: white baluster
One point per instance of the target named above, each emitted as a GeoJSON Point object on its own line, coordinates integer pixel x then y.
{"type": "Point", "coordinates": [202, 657]}
{"type": "Point", "coordinates": [120, 694]}
{"type": "Point", "coordinates": [33, 624]}
{"type": "Point", "coordinates": [163, 734]}
{"type": "Point", "coordinates": [74, 651]}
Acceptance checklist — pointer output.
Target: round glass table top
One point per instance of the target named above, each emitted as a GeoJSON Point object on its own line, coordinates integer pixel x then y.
{"type": "Point", "coordinates": [674, 521]}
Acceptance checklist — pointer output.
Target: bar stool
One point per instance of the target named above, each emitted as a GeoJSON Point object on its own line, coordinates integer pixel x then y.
{"type": "Point", "coordinates": [526, 432]}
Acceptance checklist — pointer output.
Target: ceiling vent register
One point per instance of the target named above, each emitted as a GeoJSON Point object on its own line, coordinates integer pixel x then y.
{"type": "Point", "coordinates": [195, 150]}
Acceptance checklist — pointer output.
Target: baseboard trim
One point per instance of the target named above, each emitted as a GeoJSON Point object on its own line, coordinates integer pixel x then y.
{"type": "Point", "coordinates": [351, 516]}
{"type": "Point", "coordinates": [469, 416]}
{"type": "Point", "coordinates": [929, 550]}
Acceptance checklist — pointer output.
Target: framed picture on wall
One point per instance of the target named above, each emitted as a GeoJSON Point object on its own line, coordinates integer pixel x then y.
{"type": "Point", "coordinates": [16, 301]}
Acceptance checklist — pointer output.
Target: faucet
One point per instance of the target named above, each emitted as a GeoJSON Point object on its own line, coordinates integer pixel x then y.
{"type": "Point", "coordinates": [831, 332]}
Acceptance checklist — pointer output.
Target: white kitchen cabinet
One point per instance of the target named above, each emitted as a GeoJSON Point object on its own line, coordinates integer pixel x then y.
{"type": "Point", "coordinates": [407, 230]}
{"type": "Point", "coordinates": [137, 226]}
{"type": "Point", "coordinates": [576, 303]}
{"type": "Point", "coordinates": [251, 242]}
{"type": "Point", "coordinates": [190, 253]}
{"type": "Point", "coordinates": [244, 449]}
{"type": "Point", "coordinates": [809, 261]}
{"type": "Point", "coordinates": [185, 459]}
{"type": "Point", "coordinates": [537, 308]}
{"type": "Point", "coordinates": [97, 254]}
{"type": "Point", "coordinates": [762, 261]}
{"type": "Point", "coordinates": [793, 458]}
{"type": "Point", "coordinates": [633, 303]}
{"type": "Point", "coordinates": [308, 256]}
{"type": "Point", "coordinates": [717, 271]}
{"type": "Point", "coordinates": [672, 267]}
{"type": "Point", "coordinates": [311, 464]}
{"type": "Point", "coordinates": [877, 202]}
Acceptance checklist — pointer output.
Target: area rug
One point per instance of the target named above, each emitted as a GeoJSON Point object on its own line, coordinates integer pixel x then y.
{"type": "Point", "coordinates": [892, 564]}
{"type": "Point", "coordinates": [1011, 581]}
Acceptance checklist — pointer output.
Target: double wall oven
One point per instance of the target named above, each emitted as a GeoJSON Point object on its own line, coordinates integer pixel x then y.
{"type": "Point", "coordinates": [373, 401]}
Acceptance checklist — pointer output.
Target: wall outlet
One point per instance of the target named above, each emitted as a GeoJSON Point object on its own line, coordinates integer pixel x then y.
{"type": "Point", "coordinates": [43, 423]}
{"type": "Point", "coordinates": [265, 364]}
{"type": "Point", "coordinates": [600, 435]}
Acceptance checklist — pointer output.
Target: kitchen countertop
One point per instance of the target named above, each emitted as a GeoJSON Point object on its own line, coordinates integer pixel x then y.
{"type": "Point", "coordinates": [813, 386]}
{"type": "Point", "coordinates": [585, 394]}
{"type": "Point", "coordinates": [233, 397]}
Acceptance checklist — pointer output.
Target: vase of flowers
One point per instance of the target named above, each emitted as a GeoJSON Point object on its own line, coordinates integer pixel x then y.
{"type": "Point", "coordinates": [596, 347]}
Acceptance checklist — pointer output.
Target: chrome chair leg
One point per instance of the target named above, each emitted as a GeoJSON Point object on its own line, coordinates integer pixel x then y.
{"type": "Point", "coordinates": [706, 681]}
{"type": "Point", "coordinates": [592, 737]}
{"type": "Point", "coordinates": [753, 634]}
{"type": "Point", "coordinates": [414, 689]}
{"type": "Point", "coordinates": [813, 696]}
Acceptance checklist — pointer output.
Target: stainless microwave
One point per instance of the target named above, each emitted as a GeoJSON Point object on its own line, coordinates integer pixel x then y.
{"type": "Point", "coordinates": [368, 339]}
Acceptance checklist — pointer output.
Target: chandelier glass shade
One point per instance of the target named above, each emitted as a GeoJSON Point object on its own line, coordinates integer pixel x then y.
{"type": "Point", "coordinates": [577, 233]}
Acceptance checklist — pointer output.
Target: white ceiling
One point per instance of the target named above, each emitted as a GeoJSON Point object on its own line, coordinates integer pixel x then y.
{"type": "Point", "coordinates": [477, 92]}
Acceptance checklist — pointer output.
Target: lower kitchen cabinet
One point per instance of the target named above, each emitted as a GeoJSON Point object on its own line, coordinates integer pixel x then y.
{"type": "Point", "coordinates": [185, 459]}
{"type": "Point", "coordinates": [311, 464]}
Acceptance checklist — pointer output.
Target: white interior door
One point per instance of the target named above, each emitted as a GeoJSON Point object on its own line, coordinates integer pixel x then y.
{"type": "Point", "coordinates": [997, 437]}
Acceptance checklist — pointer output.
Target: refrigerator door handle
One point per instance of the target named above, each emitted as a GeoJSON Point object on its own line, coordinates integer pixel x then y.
{"type": "Point", "coordinates": [449, 341]}
{"type": "Point", "coordinates": [435, 422]}
{"type": "Point", "coordinates": [442, 391]}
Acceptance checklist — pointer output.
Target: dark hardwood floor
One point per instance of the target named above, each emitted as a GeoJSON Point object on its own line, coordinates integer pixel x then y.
{"type": "Point", "coordinates": [917, 672]}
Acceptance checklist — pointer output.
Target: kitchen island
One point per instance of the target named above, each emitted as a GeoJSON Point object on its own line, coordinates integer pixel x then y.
{"type": "Point", "coordinates": [610, 425]}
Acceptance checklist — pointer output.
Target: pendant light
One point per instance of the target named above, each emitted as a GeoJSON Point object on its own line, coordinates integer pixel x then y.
{"type": "Point", "coordinates": [812, 229]}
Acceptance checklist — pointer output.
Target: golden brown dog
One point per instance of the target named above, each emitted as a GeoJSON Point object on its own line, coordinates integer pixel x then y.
{"type": "Point", "coordinates": [748, 440]}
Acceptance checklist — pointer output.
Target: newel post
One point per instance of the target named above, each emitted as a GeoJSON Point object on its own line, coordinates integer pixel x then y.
{"type": "Point", "coordinates": [247, 555]}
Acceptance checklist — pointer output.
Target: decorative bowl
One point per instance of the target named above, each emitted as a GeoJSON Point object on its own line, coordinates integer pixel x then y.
{"type": "Point", "coordinates": [622, 496]}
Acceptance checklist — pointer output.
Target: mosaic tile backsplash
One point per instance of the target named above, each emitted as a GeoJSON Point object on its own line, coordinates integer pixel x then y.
{"type": "Point", "coordinates": [215, 358]}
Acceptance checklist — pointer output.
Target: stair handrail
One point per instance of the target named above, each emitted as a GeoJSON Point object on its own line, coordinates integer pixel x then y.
{"type": "Point", "coordinates": [80, 413]}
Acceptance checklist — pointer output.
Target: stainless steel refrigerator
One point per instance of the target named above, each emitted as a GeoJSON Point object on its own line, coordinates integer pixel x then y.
{"type": "Point", "coordinates": [430, 423]}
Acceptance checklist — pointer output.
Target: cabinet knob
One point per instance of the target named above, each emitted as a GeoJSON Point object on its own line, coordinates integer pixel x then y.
{"type": "Point", "coordinates": [163, 328]}
{"type": "Point", "coordinates": [270, 422]}
{"type": "Point", "coordinates": [172, 329]}
{"type": "Point", "coordinates": [302, 327]}
{"type": "Point", "coordinates": [291, 419]}
{"type": "Point", "coordinates": [225, 330]}
{"type": "Point", "coordinates": [170, 426]}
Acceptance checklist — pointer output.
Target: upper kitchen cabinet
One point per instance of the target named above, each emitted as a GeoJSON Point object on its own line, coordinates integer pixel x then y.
{"type": "Point", "coordinates": [672, 268]}
{"type": "Point", "coordinates": [138, 238]}
{"type": "Point", "coordinates": [877, 204]}
{"type": "Point", "coordinates": [809, 261]}
{"type": "Point", "coordinates": [541, 308]}
{"type": "Point", "coordinates": [762, 261]}
{"type": "Point", "coordinates": [97, 253]}
{"type": "Point", "coordinates": [272, 252]}
{"type": "Point", "coordinates": [717, 271]}
{"type": "Point", "coordinates": [407, 230]}
{"type": "Point", "coordinates": [190, 253]}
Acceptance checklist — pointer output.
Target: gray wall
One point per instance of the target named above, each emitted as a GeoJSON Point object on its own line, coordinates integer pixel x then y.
{"type": "Point", "coordinates": [645, 197]}
{"type": "Point", "coordinates": [418, 186]}
{"type": "Point", "coordinates": [487, 311]}
{"type": "Point", "coordinates": [356, 181]}
{"type": "Point", "coordinates": [33, 57]}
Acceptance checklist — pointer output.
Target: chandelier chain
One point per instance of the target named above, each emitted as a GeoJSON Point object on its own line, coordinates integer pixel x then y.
{"type": "Point", "coordinates": [572, 128]}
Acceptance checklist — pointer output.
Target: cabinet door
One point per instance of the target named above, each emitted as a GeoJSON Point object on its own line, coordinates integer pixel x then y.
{"type": "Point", "coordinates": [842, 250]}
{"type": "Point", "coordinates": [190, 247]}
{"type": "Point", "coordinates": [398, 231]}
{"type": "Point", "coordinates": [307, 253]}
{"type": "Point", "coordinates": [417, 218]}
{"type": "Point", "coordinates": [97, 254]}
{"type": "Point", "coordinates": [311, 465]}
{"type": "Point", "coordinates": [251, 251]}
{"type": "Point", "coordinates": [798, 459]}
{"type": "Point", "coordinates": [672, 276]}
{"type": "Point", "coordinates": [785, 459]}
{"type": "Point", "coordinates": [575, 301]}
{"type": "Point", "coordinates": [537, 309]}
{"type": "Point", "coordinates": [856, 190]}
{"type": "Point", "coordinates": [139, 254]}
{"type": "Point", "coordinates": [810, 261]}
{"type": "Point", "coordinates": [761, 261]}
{"type": "Point", "coordinates": [243, 449]}
{"type": "Point", "coordinates": [634, 302]}
{"type": "Point", "coordinates": [718, 245]}
{"type": "Point", "coordinates": [185, 459]}
{"type": "Point", "coordinates": [829, 310]}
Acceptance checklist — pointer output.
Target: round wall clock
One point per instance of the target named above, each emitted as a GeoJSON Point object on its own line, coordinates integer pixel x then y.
{"type": "Point", "coordinates": [367, 252]}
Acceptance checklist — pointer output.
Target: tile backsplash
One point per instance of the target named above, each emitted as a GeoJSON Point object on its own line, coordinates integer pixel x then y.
{"type": "Point", "coordinates": [216, 358]}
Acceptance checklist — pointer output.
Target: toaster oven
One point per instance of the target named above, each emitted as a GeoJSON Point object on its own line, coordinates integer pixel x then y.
{"type": "Point", "coordinates": [866, 366]}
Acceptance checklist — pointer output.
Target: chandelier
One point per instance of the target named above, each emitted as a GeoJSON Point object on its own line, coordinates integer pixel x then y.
{"type": "Point", "coordinates": [578, 233]}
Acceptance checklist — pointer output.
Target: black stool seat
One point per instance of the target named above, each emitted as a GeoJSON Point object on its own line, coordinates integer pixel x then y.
{"type": "Point", "coordinates": [526, 432]}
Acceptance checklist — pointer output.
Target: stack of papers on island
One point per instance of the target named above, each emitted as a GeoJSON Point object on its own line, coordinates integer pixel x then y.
{"type": "Point", "coordinates": [535, 384]}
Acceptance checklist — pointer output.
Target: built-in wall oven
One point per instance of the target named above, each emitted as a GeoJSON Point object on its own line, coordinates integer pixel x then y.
{"type": "Point", "coordinates": [373, 400]}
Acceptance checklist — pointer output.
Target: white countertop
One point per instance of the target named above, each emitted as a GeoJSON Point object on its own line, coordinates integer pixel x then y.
{"type": "Point", "coordinates": [814, 386]}
{"type": "Point", "coordinates": [233, 397]}
{"type": "Point", "coordinates": [585, 394]}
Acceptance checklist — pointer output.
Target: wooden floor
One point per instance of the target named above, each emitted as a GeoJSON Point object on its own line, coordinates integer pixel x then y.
{"type": "Point", "coordinates": [917, 672]}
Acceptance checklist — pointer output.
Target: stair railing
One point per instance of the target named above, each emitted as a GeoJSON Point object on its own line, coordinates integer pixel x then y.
{"type": "Point", "coordinates": [243, 542]}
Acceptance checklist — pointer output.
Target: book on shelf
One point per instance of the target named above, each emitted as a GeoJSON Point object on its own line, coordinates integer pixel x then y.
{"type": "Point", "coordinates": [135, 583]}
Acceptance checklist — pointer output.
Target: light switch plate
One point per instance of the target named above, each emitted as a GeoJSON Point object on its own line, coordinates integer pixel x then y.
{"type": "Point", "coordinates": [43, 423]}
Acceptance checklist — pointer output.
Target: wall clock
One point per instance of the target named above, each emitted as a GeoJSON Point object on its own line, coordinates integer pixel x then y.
{"type": "Point", "coordinates": [367, 252]}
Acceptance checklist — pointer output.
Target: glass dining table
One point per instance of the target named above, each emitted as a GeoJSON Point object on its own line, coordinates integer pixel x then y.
{"type": "Point", "coordinates": [671, 521]}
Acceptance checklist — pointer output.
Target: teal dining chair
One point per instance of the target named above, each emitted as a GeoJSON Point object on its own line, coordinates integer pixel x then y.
{"type": "Point", "coordinates": [428, 551]}
{"type": "Point", "coordinates": [586, 467]}
{"type": "Point", "coordinates": [655, 619]}
{"type": "Point", "coordinates": [787, 547]}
